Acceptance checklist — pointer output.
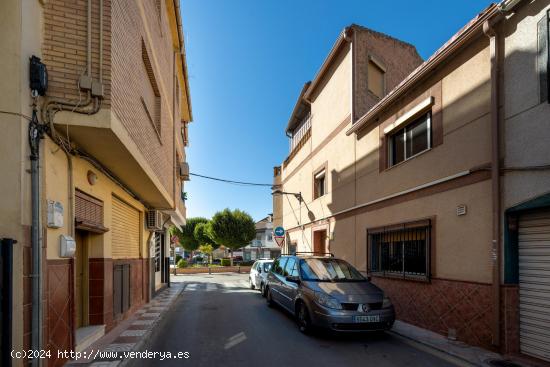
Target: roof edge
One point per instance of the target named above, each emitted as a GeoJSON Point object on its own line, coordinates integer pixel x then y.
{"type": "Point", "coordinates": [289, 125]}
{"type": "Point", "coordinates": [464, 35]}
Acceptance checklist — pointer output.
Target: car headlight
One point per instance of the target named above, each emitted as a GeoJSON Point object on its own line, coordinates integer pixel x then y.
{"type": "Point", "coordinates": [325, 300]}
{"type": "Point", "coordinates": [386, 302]}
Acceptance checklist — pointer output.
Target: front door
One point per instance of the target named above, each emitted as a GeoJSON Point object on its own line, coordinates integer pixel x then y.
{"type": "Point", "coordinates": [81, 281]}
{"type": "Point", "coordinates": [319, 242]}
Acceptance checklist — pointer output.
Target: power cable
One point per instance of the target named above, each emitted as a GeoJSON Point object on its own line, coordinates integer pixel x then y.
{"type": "Point", "coordinates": [241, 183]}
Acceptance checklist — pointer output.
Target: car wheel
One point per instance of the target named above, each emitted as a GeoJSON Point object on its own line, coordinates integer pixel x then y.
{"type": "Point", "coordinates": [262, 289]}
{"type": "Point", "coordinates": [251, 284]}
{"type": "Point", "coordinates": [269, 298]}
{"type": "Point", "coordinates": [302, 317]}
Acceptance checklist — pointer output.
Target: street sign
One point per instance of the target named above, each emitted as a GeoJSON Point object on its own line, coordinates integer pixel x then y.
{"type": "Point", "coordinates": [280, 241]}
{"type": "Point", "coordinates": [279, 232]}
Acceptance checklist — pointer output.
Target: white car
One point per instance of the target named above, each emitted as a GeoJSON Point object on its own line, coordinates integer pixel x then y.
{"type": "Point", "coordinates": [258, 274]}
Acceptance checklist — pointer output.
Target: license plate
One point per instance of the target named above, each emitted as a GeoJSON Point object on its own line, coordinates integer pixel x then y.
{"type": "Point", "coordinates": [375, 318]}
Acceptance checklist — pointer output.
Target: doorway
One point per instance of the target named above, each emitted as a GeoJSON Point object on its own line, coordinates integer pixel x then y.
{"type": "Point", "coordinates": [320, 242]}
{"type": "Point", "coordinates": [81, 278]}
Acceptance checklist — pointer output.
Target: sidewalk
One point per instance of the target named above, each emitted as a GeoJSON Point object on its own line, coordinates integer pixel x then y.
{"type": "Point", "coordinates": [130, 334]}
{"type": "Point", "coordinates": [460, 351]}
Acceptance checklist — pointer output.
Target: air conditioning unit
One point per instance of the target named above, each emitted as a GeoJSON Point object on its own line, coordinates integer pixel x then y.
{"type": "Point", "coordinates": [184, 171]}
{"type": "Point", "coordinates": [154, 220]}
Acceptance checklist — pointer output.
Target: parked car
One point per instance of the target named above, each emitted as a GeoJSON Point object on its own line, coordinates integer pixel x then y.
{"type": "Point", "coordinates": [237, 260]}
{"type": "Point", "coordinates": [258, 274]}
{"type": "Point", "coordinates": [329, 293]}
{"type": "Point", "coordinates": [216, 261]}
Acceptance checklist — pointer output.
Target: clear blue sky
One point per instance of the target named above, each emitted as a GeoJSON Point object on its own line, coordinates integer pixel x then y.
{"type": "Point", "coordinates": [248, 60]}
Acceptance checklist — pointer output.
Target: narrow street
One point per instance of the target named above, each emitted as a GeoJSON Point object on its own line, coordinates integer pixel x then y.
{"type": "Point", "coordinates": [220, 321]}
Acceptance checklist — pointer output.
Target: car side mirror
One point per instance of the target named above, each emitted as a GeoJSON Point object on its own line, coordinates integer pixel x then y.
{"type": "Point", "coordinates": [293, 279]}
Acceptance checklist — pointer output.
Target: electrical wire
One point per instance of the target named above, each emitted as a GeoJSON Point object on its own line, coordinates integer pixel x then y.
{"type": "Point", "coordinates": [240, 183]}
{"type": "Point", "coordinates": [16, 114]}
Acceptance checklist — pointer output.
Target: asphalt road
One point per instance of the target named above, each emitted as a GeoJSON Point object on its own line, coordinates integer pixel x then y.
{"type": "Point", "coordinates": [219, 321]}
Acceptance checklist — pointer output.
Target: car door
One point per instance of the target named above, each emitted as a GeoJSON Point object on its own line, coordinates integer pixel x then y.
{"type": "Point", "coordinates": [254, 273]}
{"type": "Point", "coordinates": [289, 289]}
{"type": "Point", "coordinates": [277, 285]}
{"type": "Point", "coordinates": [258, 273]}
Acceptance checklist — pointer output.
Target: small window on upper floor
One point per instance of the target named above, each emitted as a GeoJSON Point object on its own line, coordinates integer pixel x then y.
{"type": "Point", "coordinates": [410, 140]}
{"type": "Point", "coordinates": [319, 184]}
{"type": "Point", "coordinates": [376, 77]}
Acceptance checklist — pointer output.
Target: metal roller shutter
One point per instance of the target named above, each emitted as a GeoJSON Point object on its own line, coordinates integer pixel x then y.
{"type": "Point", "coordinates": [534, 284]}
{"type": "Point", "coordinates": [125, 227]}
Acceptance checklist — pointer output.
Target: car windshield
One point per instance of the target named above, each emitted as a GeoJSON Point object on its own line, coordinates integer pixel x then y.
{"type": "Point", "coordinates": [267, 266]}
{"type": "Point", "coordinates": [329, 270]}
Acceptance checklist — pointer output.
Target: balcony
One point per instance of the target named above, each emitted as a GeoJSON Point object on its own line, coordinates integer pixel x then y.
{"type": "Point", "coordinates": [103, 136]}
{"type": "Point", "coordinates": [299, 136]}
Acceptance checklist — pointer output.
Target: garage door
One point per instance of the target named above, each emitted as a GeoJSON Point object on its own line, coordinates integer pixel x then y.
{"type": "Point", "coordinates": [534, 284]}
{"type": "Point", "coordinates": [125, 226]}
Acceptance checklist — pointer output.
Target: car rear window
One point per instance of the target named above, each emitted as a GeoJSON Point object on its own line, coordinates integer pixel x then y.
{"type": "Point", "coordinates": [267, 266]}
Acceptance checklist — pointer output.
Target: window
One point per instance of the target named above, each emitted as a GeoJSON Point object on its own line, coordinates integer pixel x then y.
{"type": "Point", "coordinates": [279, 265]}
{"type": "Point", "coordinates": [289, 266]}
{"type": "Point", "coordinates": [151, 95]}
{"type": "Point", "coordinates": [319, 184]}
{"type": "Point", "coordinates": [376, 75]}
{"type": "Point", "coordinates": [329, 270]}
{"type": "Point", "coordinates": [292, 248]}
{"type": "Point", "coordinates": [402, 252]}
{"type": "Point", "coordinates": [410, 140]}
{"type": "Point", "coordinates": [270, 237]}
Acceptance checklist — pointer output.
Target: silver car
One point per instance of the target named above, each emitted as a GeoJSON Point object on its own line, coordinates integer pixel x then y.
{"type": "Point", "coordinates": [329, 293]}
{"type": "Point", "coordinates": [258, 274]}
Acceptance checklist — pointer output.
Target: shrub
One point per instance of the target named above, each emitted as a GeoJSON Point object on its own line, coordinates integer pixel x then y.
{"type": "Point", "coordinates": [248, 263]}
{"type": "Point", "coordinates": [225, 262]}
{"type": "Point", "coordinates": [182, 263]}
{"type": "Point", "coordinates": [178, 258]}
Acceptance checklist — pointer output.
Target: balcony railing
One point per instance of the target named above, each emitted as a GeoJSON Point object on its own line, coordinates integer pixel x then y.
{"type": "Point", "coordinates": [300, 132]}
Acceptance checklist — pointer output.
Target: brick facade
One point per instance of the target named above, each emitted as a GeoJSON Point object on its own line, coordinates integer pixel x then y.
{"type": "Point", "coordinates": [446, 307]}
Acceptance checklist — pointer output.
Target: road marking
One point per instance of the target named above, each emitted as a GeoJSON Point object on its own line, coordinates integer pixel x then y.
{"type": "Point", "coordinates": [234, 340]}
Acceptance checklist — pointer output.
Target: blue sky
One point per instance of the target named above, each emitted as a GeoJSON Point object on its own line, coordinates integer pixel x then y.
{"type": "Point", "coordinates": [248, 60]}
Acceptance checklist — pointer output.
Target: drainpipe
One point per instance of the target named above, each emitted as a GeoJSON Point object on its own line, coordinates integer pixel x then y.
{"type": "Point", "coordinates": [36, 133]}
{"type": "Point", "coordinates": [495, 176]}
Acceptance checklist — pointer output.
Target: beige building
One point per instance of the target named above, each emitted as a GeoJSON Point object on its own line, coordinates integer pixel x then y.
{"type": "Point", "coordinates": [91, 214]}
{"type": "Point", "coordinates": [423, 174]}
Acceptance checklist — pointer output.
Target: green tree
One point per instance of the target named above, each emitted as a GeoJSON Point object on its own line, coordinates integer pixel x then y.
{"type": "Point", "coordinates": [186, 233]}
{"type": "Point", "coordinates": [207, 250]}
{"type": "Point", "coordinates": [233, 229]}
{"type": "Point", "coordinates": [201, 234]}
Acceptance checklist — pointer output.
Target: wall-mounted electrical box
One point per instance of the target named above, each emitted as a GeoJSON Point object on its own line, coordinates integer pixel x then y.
{"type": "Point", "coordinates": [67, 246]}
{"type": "Point", "coordinates": [55, 214]}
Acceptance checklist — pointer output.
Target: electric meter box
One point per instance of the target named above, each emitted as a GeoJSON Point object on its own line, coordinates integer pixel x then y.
{"type": "Point", "coordinates": [68, 246]}
{"type": "Point", "coordinates": [55, 214]}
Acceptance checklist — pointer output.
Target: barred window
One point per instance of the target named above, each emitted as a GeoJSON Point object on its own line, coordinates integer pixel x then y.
{"type": "Point", "coordinates": [402, 251]}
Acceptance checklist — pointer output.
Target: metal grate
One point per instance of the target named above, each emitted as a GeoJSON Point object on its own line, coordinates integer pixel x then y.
{"type": "Point", "coordinates": [402, 252]}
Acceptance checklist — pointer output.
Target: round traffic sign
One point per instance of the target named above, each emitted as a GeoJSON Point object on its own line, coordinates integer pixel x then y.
{"type": "Point", "coordinates": [279, 231]}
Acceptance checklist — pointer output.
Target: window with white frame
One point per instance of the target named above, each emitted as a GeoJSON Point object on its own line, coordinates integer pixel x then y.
{"type": "Point", "coordinates": [319, 184]}
{"type": "Point", "coordinates": [411, 140]}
